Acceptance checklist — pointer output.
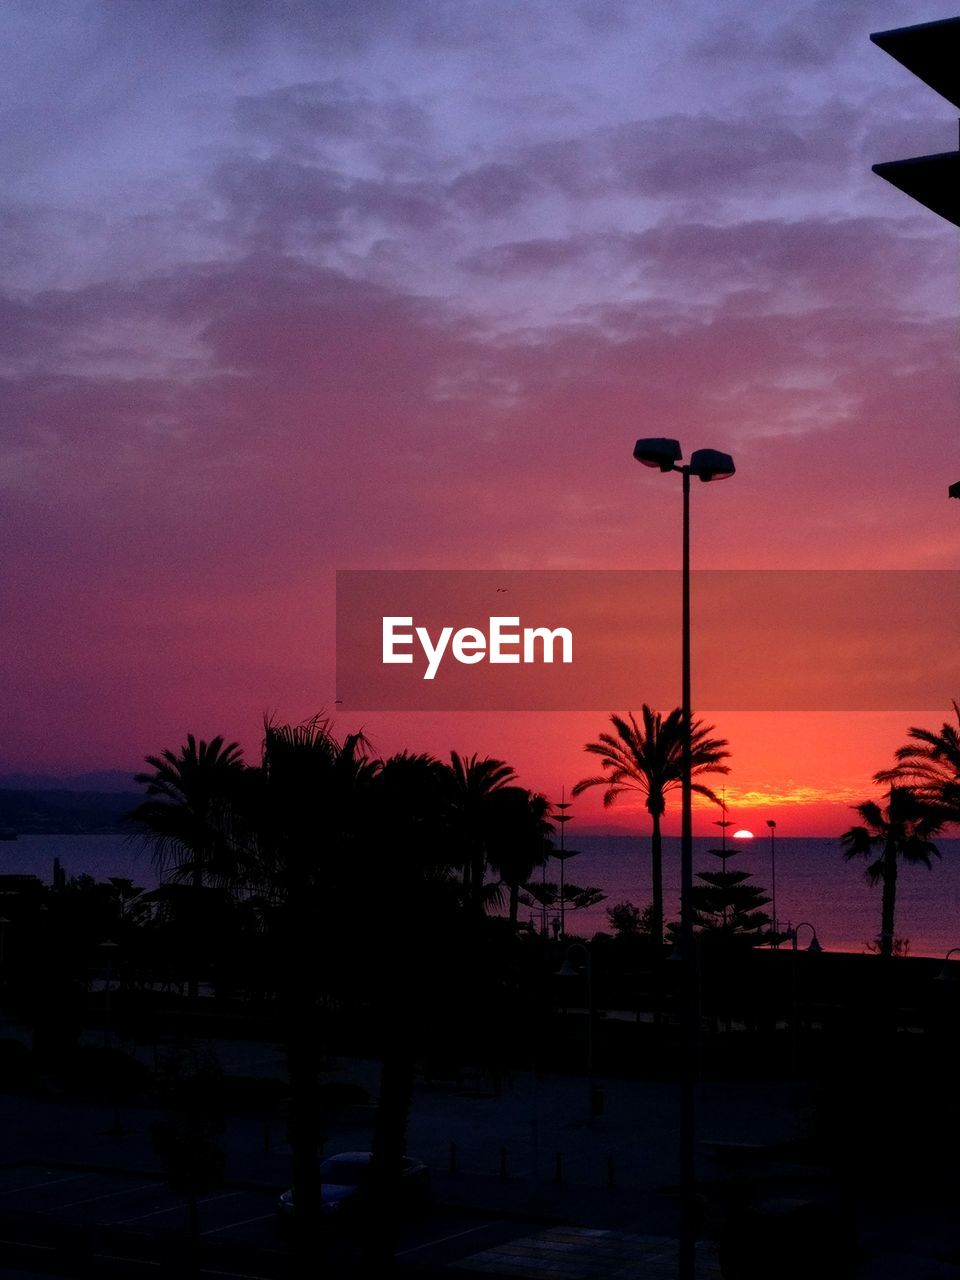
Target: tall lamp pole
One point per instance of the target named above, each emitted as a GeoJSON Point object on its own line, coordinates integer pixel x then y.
{"type": "Point", "coordinates": [773, 878]}
{"type": "Point", "coordinates": [569, 970]}
{"type": "Point", "coordinates": [706, 464]}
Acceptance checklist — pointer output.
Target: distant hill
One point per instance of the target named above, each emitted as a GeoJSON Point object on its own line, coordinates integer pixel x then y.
{"type": "Point", "coordinates": [99, 780]}
{"type": "Point", "coordinates": [65, 812]}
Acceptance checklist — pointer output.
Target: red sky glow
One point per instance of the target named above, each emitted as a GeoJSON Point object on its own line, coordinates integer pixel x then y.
{"type": "Point", "coordinates": [296, 288]}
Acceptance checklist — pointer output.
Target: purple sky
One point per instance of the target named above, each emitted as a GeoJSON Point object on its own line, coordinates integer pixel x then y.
{"type": "Point", "coordinates": [292, 287]}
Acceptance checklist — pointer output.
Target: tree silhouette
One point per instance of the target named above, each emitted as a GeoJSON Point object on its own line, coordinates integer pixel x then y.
{"type": "Point", "coordinates": [546, 893]}
{"type": "Point", "coordinates": [930, 764]}
{"type": "Point", "coordinates": [302, 809]}
{"type": "Point", "coordinates": [188, 816]}
{"type": "Point", "coordinates": [416, 914]}
{"type": "Point", "coordinates": [520, 839]}
{"type": "Point", "coordinates": [725, 904]}
{"type": "Point", "coordinates": [647, 757]}
{"type": "Point", "coordinates": [473, 807]}
{"type": "Point", "coordinates": [627, 920]}
{"type": "Point", "coordinates": [901, 831]}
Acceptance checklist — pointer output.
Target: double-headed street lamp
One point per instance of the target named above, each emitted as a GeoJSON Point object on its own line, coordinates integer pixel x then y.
{"type": "Point", "coordinates": [706, 465]}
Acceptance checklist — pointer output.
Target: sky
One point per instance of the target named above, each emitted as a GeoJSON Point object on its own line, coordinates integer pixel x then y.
{"type": "Point", "coordinates": [290, 287]}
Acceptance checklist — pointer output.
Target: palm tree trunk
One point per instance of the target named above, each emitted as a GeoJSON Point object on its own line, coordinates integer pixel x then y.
{"type": "Point", "coordinates": [479, 869]}
{"type": "Point", "coordinates": [194, 1218]}
{"type": "Point", "coordinates": [303, 1072]}
{"type": "Point", "coordinates": [888, 904]}
{"type": "Point", "coordinates": [193, 979]}
{"type": "Point", "coordinates": [656, 875]}
{"type": "Point", "coordinates": [514, 904]}
{"type": "Point", "coordinates": [389, 1145]}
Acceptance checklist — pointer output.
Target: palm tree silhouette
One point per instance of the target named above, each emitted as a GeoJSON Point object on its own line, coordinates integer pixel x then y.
{"type": "Point", "coordinates": [648, 757]}
{"type": "Point", "coordinates": [901, 832]}
{"type": "Point", "coordinates": [521, 839]}
{"type": "Point", "coordinates": [415, 911]}
{"type": "Point", "coordinates": [472, 785]}
{"type": "Point", "coordinates": [188, 817]}
{"type": "Point", "coordinates": [302, 808]}
{"type": "Point", "coordinates": [931, 765]}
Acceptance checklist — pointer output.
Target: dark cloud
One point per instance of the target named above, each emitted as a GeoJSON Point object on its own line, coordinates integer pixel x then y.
{"type": "Point", "coordinates": [281, 204]}
{"type": "Point", "coordinates": [812, 38]}
{"type": "Point", "coordinates": [301, 118]}
{"type": "Point", "coordinates": [701, 155]}
{"type": "Point", "coordinates": [811, 261]}
{"type": "Point", "coordinates": [244, 25]}
{"type": "Point", "coordinates": [494, 190]}
{"type": "Point", "coordinates": [752, 267]}
{"type": "Point", "coordinates": [532, 257]}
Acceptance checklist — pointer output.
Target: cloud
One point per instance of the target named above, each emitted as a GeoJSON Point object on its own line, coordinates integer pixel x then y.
{"type": "Point", "coordinates": [699, 154]}
{"type": "Point", "coordinates": [302, 119]}
{"type": "Point", "coordinates": [311, 286]}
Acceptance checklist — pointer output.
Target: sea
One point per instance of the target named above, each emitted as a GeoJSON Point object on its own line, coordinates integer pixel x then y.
{"type": "Point", "coordinates": [814, 883]}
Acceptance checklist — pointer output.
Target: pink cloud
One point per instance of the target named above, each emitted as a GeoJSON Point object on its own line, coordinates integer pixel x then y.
{"type": "Point", "coordinates": [414, 313]}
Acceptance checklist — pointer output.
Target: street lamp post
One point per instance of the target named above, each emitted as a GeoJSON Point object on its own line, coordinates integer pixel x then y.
{"type": "Point", "coordinates": [108, 949]}
{"type": "Point", "coordinates": [706, 464]}
{"type": "Point", "coordinates": [773, 878]}
{"type": "Point", "coordinates": [949, 971]}
{"type": "Point", "coordinates": [567, 970]}
{"type": "Point", "coordinates": [813, 948]}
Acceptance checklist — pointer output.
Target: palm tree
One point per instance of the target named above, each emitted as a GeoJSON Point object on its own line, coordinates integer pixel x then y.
{"type": "Point", "coordinates": [931, 766]}
{"type": "Point", "coordinates": [472, 785]}
{"type": "Point", "coordinates": [900, 831]}
{"type": "Point", "coordinates": [188, 816]}
{"type": "Point", "coordinates": [302, 809]}
{"type": "Point", "coordinates": [648, 757]}
{"type": "Point", "coordinates": [414, 906]}
{"type": "Point", "coordinates": [521, 839]}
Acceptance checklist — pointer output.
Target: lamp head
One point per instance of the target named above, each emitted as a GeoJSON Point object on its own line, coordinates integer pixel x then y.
{"type": "Point", "coordinates": [954, 490]}
{"type": "Point", "coordinates": [660, 453]}
{"type": "Point", "coordinates": [815, 946]}
{"type": "Point", "coordinates": [711, 464]}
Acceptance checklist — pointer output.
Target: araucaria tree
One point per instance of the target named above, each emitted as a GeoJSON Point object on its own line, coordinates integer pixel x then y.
{"type": "Point", "coordinates": [647, 757]}
{"type": "Point", "coordinates": [899, 831]}
{"type": "Point", "coordinates": [727, 905]}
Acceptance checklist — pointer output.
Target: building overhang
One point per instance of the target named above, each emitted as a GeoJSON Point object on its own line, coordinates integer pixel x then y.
{"type": "Point", "coordinates": [933, 181]}
{"type": "Point", "coordinates": [931, 50]}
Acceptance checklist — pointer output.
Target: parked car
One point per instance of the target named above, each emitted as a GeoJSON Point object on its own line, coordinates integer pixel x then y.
{"type": "Point", "coordinates": [345, 1186]}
